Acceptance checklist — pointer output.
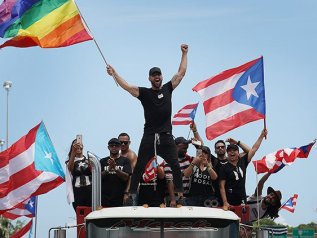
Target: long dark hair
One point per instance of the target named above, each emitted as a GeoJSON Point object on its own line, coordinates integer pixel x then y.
{"type": "Point", "coordinates": [70, 151]}
{"type": "Point", "coordinates": [272, 211]}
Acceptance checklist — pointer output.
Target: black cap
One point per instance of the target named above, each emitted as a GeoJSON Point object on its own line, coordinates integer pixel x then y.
{"type": "Point", "coordinates": [232, 147]}
{"type": "Point", "coordinates": [206, 149]}
{"type": "Point", "coordinates": [114, 141]}
{"type": "Point", "coordinates": [181, 140]}
{"type": "Point", "coordinates": [155, 70]}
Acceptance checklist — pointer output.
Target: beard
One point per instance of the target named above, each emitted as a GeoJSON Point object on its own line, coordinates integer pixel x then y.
{"type": "Point", "coordinates": [156, 84]}
{"type": "Point", "coordinates": [266, 201]}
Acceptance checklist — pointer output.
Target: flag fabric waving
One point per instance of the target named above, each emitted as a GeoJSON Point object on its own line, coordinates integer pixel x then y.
{"type": "Point", "coordinates": [24, 232]}
{"type": "Point", "coordinates": [29, 167]}
{"type": "Point", "coordinates": [275, 161]}
{"type": "Point", "coordinates": [26, 208]}
{"type": "Point", "coordinates": [290, 204]}
{"type": "Point", "coordinates": [44, 23]}
{"type": "Point", "coordinates": [186, 115]}
{"type": "Point", "coordinates": [233, 98]}
{"type": "Point", "coordinates": [150, 170]}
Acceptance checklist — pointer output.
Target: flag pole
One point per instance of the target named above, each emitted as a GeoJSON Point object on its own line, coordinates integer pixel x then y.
{"type": "Point", "coordinates": [257, 194]}
{"type": "Point", "coordinates": [35, 225]}
{"type": "Point", "coordinates": [102, 55]}
{"type": "Point", "coordinates": [188, 134]}
{"type": "Point", "coordinates": [264, 121]}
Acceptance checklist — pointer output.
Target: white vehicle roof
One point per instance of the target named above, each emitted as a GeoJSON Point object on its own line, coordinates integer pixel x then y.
{"type": "Point", "coordinates": [157, 212]}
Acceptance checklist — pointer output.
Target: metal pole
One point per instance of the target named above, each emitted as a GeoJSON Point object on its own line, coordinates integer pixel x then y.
{"type": "Point", "coordinates": [35, 225]}
{"type": "Point", "coordinates": [7, 118]}
{"type": "Point", "coordinates": [7, 85]}
{"type": "Point", "coordinates": [2, 142]}
{"type": "Point", "coordinates": [96, 180]}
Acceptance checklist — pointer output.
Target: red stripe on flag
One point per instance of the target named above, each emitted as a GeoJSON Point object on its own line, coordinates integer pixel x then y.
{"type": "Point", "coordinates": [181, 115]}
{"type": "Point", "coordinates": [227, 124]}
{"type": "Point", "coordinates": [18, 147]}
{"type": "Point", "coordinates": [19, 179]}
{"type": "Point", "coordinates": [219, 101]}
{"type": "Point", "coordinates": [224, 75]}
{"type": "Point", "coordinates": [178, 123]}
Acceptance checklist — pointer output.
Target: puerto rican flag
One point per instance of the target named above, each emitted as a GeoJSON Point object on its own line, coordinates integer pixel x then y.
{"type": "Point", "coordinates": [29, 167]}
{"type": "Point", "coordinates": [186, 115]}
{"type": "Point", "coordinates": [26, 208]}
{"type": "Point", "coordinates": [150, 170]}
{"type": "Point", "coordinates": [290, 204]}
{"type": "Point", "coordinates": [24, 232]}
{"type": "Point", "coordinates": [233, 98]}
{"type": "Point", "coordinates": [276, 161]}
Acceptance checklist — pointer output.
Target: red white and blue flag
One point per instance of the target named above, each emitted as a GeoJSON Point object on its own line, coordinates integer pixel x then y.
{"type": "Point", "coordinates": [24, 232]}
{"type": "Point", "coordinates": [233, 98]}
{"type": "Point", "coordinates": [150, 170]}
{"type": "Point", "coordinates": [186, 115]}
{"type": "Point", "coordinates": [28, 168]}
{"type": "Point", "coordinates": [276, 161]}
{"type": "Point", "coordinates": [290, 204]}
{"type": "Point", "coordinates": [26, 208]}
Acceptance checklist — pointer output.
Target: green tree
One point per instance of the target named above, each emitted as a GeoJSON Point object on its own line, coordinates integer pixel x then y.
{"type": "Point", "coordinates": [7, 227]}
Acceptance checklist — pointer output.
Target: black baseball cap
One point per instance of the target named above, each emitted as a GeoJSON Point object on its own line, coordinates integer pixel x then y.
{"type": "Point", "coordinates": [206, 150]}
{"type": "Point", "coordinates": [155, 70]}
{"type": "Point", "coordinates": [181, 140]}
{"type": "Point", "coordinates": [232, 147]}
{"type": "Point", "coordinates": [114, 141]}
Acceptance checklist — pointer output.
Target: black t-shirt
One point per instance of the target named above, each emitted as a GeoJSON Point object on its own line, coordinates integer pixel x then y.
{"type": "Point", "coordinates": [235, 177]}
{"type": "Point", "coordinates": [200, 183]}
{"type": "Point", "coordinates": [217, 165]}
{"type": "Point", "coordinates": [147, 194]}
{"type": "Point", "coordinates": [157, 105]}
{"type": "Point", "coordinates": [81, 173]}
{"type": "Point", "coordinates": [112, 187]}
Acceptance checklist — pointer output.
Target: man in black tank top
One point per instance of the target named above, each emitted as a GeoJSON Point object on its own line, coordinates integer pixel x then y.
{"type": "Point", "coordinates": [157, 105]}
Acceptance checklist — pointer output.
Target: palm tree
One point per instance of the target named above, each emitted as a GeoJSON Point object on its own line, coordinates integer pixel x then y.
{"type": "Point", "coordinates": [7, 227]}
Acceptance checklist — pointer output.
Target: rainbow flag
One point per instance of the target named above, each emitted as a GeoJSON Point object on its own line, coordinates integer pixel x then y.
{"type": "Point", "coordinates": [44, 23]}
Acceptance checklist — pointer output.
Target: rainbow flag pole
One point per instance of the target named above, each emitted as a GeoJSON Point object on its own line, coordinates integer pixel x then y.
{"type": "Point", "coordinates": [104, 59]}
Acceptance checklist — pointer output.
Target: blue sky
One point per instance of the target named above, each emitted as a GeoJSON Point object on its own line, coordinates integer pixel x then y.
{"type": "Point", "coordinates": [69, 89]}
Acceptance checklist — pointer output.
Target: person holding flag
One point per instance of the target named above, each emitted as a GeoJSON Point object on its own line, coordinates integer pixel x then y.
{"type": "Point", "coordinates": [157, 105]}
{"type": "Point", "coordinates": [267, 206]}
{"type": "Point", "coordinates": [260, 207]}
{"type": "Point", "coordinates": [232, 176]}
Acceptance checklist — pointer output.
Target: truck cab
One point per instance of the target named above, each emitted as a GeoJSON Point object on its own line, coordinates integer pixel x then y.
{"type": "Point", "coordinates": [155, 222]}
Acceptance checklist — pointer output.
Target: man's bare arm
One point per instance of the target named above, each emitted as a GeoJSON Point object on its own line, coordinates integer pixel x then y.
{"type": "Point", "coordinates": [182, 67]}
{"type": "Point", "coordinates": [133, 90]}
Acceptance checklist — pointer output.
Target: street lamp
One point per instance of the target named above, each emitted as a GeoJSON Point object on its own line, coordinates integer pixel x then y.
{"type": "Point", "coordinates": [2, 142]}
{"type": "Point", "coordinates": [7, 85]}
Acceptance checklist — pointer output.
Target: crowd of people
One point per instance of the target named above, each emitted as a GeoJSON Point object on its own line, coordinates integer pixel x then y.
{"type": "Point", "coordinates": [203, 179]}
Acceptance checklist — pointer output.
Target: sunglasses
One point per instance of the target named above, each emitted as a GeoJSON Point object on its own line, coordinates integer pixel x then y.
{"type": "Point", "coordinates": [220, 147]}
{"type": "Point", "coordinates": [124, 142]}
